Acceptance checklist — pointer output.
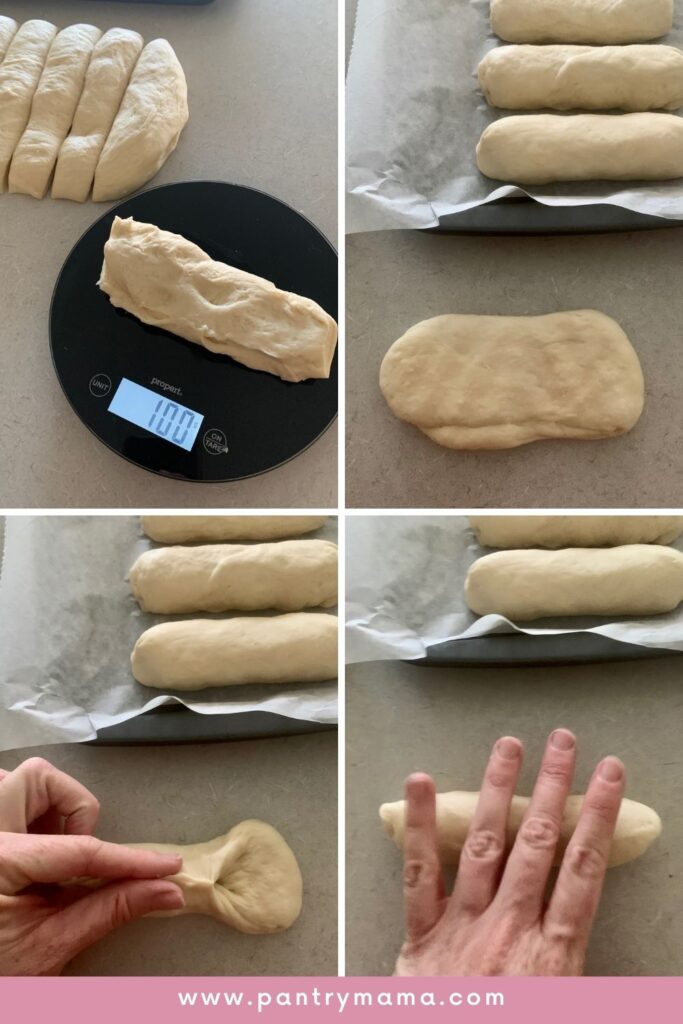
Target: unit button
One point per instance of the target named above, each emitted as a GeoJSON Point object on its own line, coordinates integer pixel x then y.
{"type": "Point", "coordinates": [100, 385]}
{"type": "Point", "coordinates": [215, 442]}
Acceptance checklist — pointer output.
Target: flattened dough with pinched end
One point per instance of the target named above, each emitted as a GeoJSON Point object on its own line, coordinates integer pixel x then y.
{"type": "Point", "coordinates": [632, 579]}
{"type": "Point", "coordinates": [574, 531]}
{"type": "Point", "coordinates": [108, 74]}
{"type": "Point", "coordinates": [147, 127]}
{"type": "Point", "coordinates": [20, 72]}
{"type": "Point", "coordinates": [8, 29]}
{"type": "Point", "coordinates": [631, 78]}
{"type": "Point", "coordinates": [581, 21]}
{"type": "Point", "coordinates": [207, 529]}
{"type": "Point", "coordinates": [472, 382]}
{"type": "Point", "coordinates": [52, 111]}
{"type": "Point", "coordinates": [538, 149]}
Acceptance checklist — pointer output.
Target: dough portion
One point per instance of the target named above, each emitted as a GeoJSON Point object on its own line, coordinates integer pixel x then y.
{"type": "Point", "coordinates": [8, 28]}
{"type": "Point", "coordinates": [19, 75]}
{"type": "Point", "coordinates": [52, 111]}
{"type": "Point", "coordinates": [637, 825]}
{"type": "Point", "coordinates": [195, 653]}
{"type": "Point", "coordinates": [581, 21]}
{"type": "Point", "coordinates": [206, 529]}
{"type": "Point", "coordinates": [634, 579]}
{"type": "Point", "coordinates": [164, 280]}
{"type": "Point", "coordinates": [630, 78]}
{"type": "Point", "coordinates": [287, 576]}
{"type": "Point", "coordinates": [574, 531]}
{"type": "Point", "coordinates": [147, 126]}
{"type": "Point", "coordinates": [108, 74]}
{"type": "Point", "coordinates": [471, 382]}
{"type": "Point", "coordinates": [538, 149]}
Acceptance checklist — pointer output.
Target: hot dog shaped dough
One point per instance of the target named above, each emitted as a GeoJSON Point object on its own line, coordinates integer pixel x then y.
{"type": "Point", "coordinates": [195, 653]}
{"type": "Point", "coordinates": [637, 825]}
{"type": "Point", "coordinates": [581, 21]}
{"type": "Point", "coordinates": [559, 77]}
{"type": "Point", "coordinates": [288, 576]}
{"type": "Point", "coordinates": [537, 149]}
{"type": "Point", "coordinates": [501, 381]}
{"type": "Point", "coordinates": [8, 29]}
{"type": "Point", "coordinates": [205, 529]}
{"type": "Point", "coordinates": [635, 579]}
{"type": "Point", "coordinates": [574, 531]}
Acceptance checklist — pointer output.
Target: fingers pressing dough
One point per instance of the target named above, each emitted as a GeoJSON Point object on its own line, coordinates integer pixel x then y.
{"type": "Point", "coordinates": [637, 825]}
{"type": "Point", "coordinates": [197, 653]}
{"type": "Point", "coordinates": [52, 111]}
{"type": "Point", "coordinates": [498, 382]}
{"type": "Point", "coordinates": [108, 74]}
{"type": "Point", "coordinates": [8, 28]}
{"type": "Point", "coordinates": [574, 531]}
{"type": "Point", "coordinates": [581, 21]}
{"type": "Point", "coordinates": [538, 149]}
{"type": "Point", "coordinates": [204, 529]}
{"type": "Point", "coordinates": [630, 78]}
{"type": "Point", "coordinates": [288, 576]}
{"type": "Point", "coordinates": [147, 126]}
{"type": "Point", "coordinates": [19, 75]}
{"type": "Point", "coordinates": [634, 579]}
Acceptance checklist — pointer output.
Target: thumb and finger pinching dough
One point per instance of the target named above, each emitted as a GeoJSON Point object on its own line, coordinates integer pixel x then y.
{"type": "Point", "coordinates": [581, 21]}
{"type": "Point", "coordinates": [574, 531]}
{"type": "Point", "coordinates": [206, 529]}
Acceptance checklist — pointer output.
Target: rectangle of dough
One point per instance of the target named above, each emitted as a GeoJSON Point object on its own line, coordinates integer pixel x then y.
{"type": "Point", "coordinates": [634, 579]}
{"type": "Point", "coordinates": [538, 149]}
{"type": "Point", "coordinates": [581, 21]}
{"type": "Point", "coordinates": [207, 529]}
{"type": "Point", "coordinates": [574, 531]}
{"type": "Point", "coordinates": [196, 653]}
{"type": "Point", "coordinates": [289, 575]}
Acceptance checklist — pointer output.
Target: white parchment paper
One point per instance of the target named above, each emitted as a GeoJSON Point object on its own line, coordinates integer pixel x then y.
{"type": "Point", "coordinates": [68, 624]}
{"type": "Point", "coordinates": [405, 580]}
{"type": "Point", "coordinates": [415, 115]}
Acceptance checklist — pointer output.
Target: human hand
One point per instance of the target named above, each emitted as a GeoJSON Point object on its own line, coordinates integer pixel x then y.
{"type": "Point", "coordinates": [496, 921]}
{"type": "Point", "coordinates": [43, 926]}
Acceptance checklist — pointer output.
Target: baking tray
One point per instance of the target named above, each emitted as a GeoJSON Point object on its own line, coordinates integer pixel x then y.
{"type": "Point", "coordinates": [523, 216]}
{"type": "Point", "coordinates": [172, 723]}
{"type": "Point", "coordinates": [500, 649]}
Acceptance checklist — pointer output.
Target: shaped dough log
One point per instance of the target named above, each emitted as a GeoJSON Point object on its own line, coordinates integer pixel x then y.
{"type": "Point", "coordinates": [574, 531]}
{"type": "Point", "coordinates": [288, 576]}
{"type": "Point", "coordinates": [52, 111]}
{"type": "Point", "coordinates": [581, 21]}
{"type": "Point", "coordinates": [583, 77]}
{"type": "Point", "coordinates": [19, 75]}
{"type": "Point", "coordinates": [635, 579]}
{"type": "Point", "coordinates": [108, 75]}
{"type": "Point", "coordinates": [637, 825]}
{"type": "Point", "coordinates": [147, 126]}
{"type": "Point", "coordinates": [196, 653]}
{"type": "Point", "coordinates": [537, 149]}
{"type": "Point", "coordinates": [164, 280]}
{"type": "Point", "coordinates": [184, 529]}
{"type": "Point", "coordinates": [8, 29]}
{"type": "Point", "coordinates": [501, 381]}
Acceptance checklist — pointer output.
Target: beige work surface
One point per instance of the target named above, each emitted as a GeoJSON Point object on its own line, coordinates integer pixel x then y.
{"type": "Point", "coordinates": [397, 278]}
{"type": "Point", "coordinates": [401, 718]}
{"type": "Point", "coordinates": [189, 794]}
{"type": "Point", "coordinates": [262, 87]}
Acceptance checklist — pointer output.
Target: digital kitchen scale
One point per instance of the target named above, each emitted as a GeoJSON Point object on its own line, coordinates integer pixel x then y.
{"type": "Point", "coordinates": [169, 405]}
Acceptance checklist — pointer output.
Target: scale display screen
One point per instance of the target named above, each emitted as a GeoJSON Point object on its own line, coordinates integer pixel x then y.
{"type": "Point", "coordinates": [156, 413]}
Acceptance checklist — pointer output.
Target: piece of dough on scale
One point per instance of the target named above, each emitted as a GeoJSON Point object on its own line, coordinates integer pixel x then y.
{"type": "Point", "coordinates": [210, 529]}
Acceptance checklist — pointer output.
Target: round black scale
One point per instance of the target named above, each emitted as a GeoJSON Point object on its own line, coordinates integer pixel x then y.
{"type": "Point", "coordinates": [169, 405]}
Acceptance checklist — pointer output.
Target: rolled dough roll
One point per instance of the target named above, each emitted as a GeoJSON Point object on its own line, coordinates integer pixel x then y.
{"type": "Point", "coordinates": [52, 111]}
{"type": "Point", "coordinates": [108, 74]}
{"type": "Point", "coordinates": [574, 531]}
{"type": "Point", "coordinates": [634, 579]}
{"type": "Point", "coordinates": [637, 825]}
{"type": "Point", "coordinates": [8, 28]}
{"type": "Point", "coordinates": [581, 21]}
{"type": "Point", "coordinates": [19, 75]}
{"type": "Point", "coordinates": [164, 280]}
{"type": "Point", "coordinates": [502, 381]}
{"type": "Point", "coordinates": [537, 149]}
{"type": "Point", "coordinates": [196, 653]}
{"type": "Point", "coordinates": [288, 576]}
{"type": "Point", "coordinates": [560, 77]}
{"type": "Point", "coordinates": [147, 127]}
{"type": "Point", "coordinates": [205, 529]}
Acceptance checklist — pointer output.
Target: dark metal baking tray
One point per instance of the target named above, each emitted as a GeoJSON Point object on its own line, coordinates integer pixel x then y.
{"type": "Point", "coordinates": [522, 216]}
{"type": "Point", "coordinates": [500, 649]}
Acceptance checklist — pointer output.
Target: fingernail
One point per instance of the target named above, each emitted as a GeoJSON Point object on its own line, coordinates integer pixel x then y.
{"type": "Point", "coordinates": [508, 747]}
{"type": "Point", "coordinates": [562, 739]}
{"type": "Point", "coordinates": [169, 898]}
{"type": "Point", "coordinates": [611, 769]}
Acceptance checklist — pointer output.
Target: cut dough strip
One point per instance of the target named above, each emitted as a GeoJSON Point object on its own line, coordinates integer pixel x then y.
{"type": "Point", "coordinates": [207, 529]}
{"type": "Point", "coordinates": [8, 29]}
{"type": "Point", "coordinates": [52, 111]}
{"type": "Point", "coordinates": [287, 576]}
{"type": "Point", "coordinates": [637, 825]}
{"type": "Point", "coordinates": [574, 531]}
{"type": "Point", "coordinates": [581, 21]}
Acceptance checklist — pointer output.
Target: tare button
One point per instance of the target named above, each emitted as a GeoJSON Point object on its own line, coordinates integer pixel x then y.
{"type": "Point", "coordinates": [215, 442]}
